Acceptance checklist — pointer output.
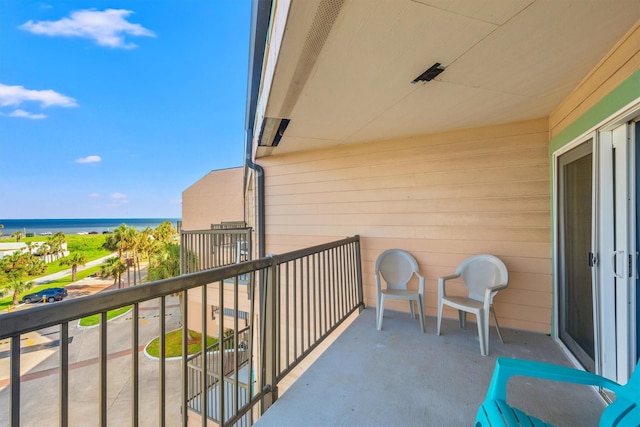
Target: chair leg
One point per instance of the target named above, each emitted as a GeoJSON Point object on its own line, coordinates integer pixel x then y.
{"type": "Point", "coordinates": [484, 342]}
{"type": "Point", "coordinates": [462, 315]}
{"type": "Point", "coordinates": [412, 310]}
{"type": "Point", "coordinates": [439, 317]}
{"type": "Point", "coordinates": [421, 312]}
{"type": "Point", "coordinates": [495, 319]}
{"type": "Point", "coordinates": [380, 313]}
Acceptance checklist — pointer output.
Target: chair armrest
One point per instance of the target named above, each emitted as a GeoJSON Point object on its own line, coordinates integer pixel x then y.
{"type": "Point", "coordinates": [507, 368]}
{"type": "Point", "coordinates": [441, 280]}
{"type": "Point", "coordinates": [496, 288]}
{"type": "Point", "coordinates": [421, 284]}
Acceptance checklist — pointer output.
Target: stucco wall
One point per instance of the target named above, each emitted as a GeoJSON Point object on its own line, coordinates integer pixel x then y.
{"type": "Point", "coordinates": [442, 197]}
{"type": "Point", "coordinates": [216, 197]}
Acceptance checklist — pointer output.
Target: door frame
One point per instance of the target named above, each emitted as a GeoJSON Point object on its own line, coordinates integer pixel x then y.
{"type": "Point", "coordinates": [626, 114]}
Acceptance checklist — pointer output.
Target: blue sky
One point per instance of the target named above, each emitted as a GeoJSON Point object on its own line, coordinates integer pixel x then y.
{"type": "Point", "coordinates": [111, 109]}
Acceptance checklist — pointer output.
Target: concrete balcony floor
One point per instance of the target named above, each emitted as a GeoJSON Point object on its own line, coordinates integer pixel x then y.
{"type": "Point", "coordinates": [401, 377]}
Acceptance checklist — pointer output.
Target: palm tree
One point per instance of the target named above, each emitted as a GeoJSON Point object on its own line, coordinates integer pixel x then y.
{"type": "Point", "coordinates": [18, 235]}
{"type": "Point", "coordinates": [36, 266]}
{"type": "Point", "coordinates": [114, 267]}
{"type": "Point", "coordinates": [122, 241]}
{"type": "Point", "coordinates": [17, 285]}
{"type": "Point", "coordinates": [74, 260]}
{"type": "Point", "coordinates": [45, 250]}
{"type": "Point", "coordinates": [147, 246]}
{"type": "Point", "coordinates": [166, 263]}
{"type": "Point", "coordinates": [164, 232]}
{"type": "Point", "coordinates": [14, 267]}
{"type": "Point", "coordinates": [56, 241]}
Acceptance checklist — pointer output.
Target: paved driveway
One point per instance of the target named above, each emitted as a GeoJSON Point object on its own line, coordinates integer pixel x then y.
{"type": "Point", "coordinates": [39, 367]}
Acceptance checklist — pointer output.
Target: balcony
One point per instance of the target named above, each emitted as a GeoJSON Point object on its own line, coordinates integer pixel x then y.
{"type": "Point", "coordinates": [298, 301]}
{"type": "Point", "coordinates": [401, 377]}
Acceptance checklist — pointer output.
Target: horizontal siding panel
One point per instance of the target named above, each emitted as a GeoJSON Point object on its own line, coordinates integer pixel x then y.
{"type": "Point", "coordinates": [532, 132]}
{"type": "Point", "coordinates": [599, 93]}
{"type": "Point", "coordinates": [613, 69]}
{"type": "Point", "coordinates": [441, 197]}
{"type": "Point", "coordinates": [507, 219]}
{"type": "Point", "coordinates": [528, 249]}
{"type": "Point", "coordinates": [431, 232]}
{"type": "Point", "coordinates": [384, 164]}
{"type": "Point", "coordinates": [406, 188]}
{"type": "Point", "coordinates": [522, 312]}
{"type": "Point", "coordinates": [516, 296]}
{"type": "Point", "coordinates": [480, 205]}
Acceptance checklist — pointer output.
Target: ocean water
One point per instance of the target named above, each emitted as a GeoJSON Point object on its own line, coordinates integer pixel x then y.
{"type": "Point", "coordinates": [78, 225]}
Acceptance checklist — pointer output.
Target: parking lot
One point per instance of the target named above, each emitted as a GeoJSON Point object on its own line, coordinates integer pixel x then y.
{"type": "Point", "coordinates": [40, 368]}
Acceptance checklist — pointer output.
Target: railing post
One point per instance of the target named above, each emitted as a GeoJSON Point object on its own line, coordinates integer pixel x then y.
{"type": "Point", "coordinates": [359, 275]}
{"type": "Point", "coordinates": [268, 327]}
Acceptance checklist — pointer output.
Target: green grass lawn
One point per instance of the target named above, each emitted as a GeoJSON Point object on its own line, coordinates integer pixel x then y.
{"type": "Point", "coordinates": [60, 283]}
{"type": "Point", "coordinates": [173, 344]}
{"type": "Point", "coordinates": [94, 319]}
{"type": "Point", "coordinates": [90, 245]}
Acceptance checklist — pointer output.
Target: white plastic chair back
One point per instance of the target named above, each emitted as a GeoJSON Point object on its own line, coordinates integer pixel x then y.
{"type": "Point", "coordinates": [396, 267]}
{"type": "Point", "coordinates": [480, 272]}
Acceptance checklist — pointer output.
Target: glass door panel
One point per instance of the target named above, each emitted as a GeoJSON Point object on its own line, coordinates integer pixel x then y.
{"type": "Point", "coordinates": [575, 198]}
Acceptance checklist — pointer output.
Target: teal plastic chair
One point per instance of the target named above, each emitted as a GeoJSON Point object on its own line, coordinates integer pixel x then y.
{"type": "Point", "coordinates": [495, 411]}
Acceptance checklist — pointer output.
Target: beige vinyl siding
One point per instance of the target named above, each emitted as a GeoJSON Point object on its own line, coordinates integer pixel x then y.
{"type": "Point", "coordinates": [442, 197]}
{"type": "Point", "coordinates": [214, 198]}
{"type": "Point", "coordinates": [621, 62]}
{"type": "Point", "coordinates": [194, 307]}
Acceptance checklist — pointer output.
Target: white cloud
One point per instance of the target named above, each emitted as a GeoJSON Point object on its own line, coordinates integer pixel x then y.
{"type": "Point", "coordinates": [27, 115]}
{"type": "Point", "coordinates": [94, 195]}
{"type": "Point", "coordinates": [89, 159]}
{"type": "Point", "coordinates": [117, 200]}
{"type": "Point", "coordinates": [16, 95]}
{"type": "Point", "coordinates": [106, 28]}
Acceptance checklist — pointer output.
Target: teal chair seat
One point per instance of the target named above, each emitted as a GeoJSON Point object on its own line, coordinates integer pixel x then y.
{"type": "Point", "coordinates": [495, 411]}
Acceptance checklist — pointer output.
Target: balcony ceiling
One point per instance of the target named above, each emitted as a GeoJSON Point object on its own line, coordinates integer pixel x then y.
{"type": "Point", "coordinates": [345, 68]}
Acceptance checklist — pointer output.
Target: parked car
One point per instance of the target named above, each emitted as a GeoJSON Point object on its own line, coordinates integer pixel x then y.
{"type": "Point", "coordinates": [49, 295]}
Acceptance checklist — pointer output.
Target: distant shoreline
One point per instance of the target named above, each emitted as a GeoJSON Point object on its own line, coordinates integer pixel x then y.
{"type": "Point", "coordinates": [47, 227]}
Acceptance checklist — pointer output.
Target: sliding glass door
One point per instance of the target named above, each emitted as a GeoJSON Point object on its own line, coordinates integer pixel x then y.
{"type": "Point", "coordinates": [576, 296]}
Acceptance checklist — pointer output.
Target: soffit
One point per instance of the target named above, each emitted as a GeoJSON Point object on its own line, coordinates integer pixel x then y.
{"type": "Point", "coordinates": [344, 70]}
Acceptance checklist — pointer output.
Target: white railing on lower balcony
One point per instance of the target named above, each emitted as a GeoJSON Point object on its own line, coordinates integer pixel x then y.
{"type": "Point", "coordinates": [302, 297]}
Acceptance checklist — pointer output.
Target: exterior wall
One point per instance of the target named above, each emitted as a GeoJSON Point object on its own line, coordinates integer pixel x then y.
{"type": "Point", "coordinates": [194, 308]}
{"type": "Point", "coordinates": [611, 85]}
{"type": "Point", "coordinates": [442, 197]}
{"type": "Point", "coordinates": [216, 197]}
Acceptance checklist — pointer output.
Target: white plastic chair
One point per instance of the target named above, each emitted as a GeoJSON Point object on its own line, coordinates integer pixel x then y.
{"type": "Point", "coordinates": [396, 268]}
{"type": "Point", "coordinates": [483, 275]}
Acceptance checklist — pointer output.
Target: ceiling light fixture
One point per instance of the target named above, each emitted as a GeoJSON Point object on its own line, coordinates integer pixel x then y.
{"type": "Point", "coordinates": [272, 131]}
{"type": "Point", "coordinates": [430, 74]}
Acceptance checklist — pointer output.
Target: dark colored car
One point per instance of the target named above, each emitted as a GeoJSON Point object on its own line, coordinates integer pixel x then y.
{"type": "Point", "coordinates": [49, 295]}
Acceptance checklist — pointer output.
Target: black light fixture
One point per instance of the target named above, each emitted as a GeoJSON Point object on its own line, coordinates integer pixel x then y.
{"type": "Point", "coordinates": [430, 74]}
{"type": "Point", "coordinates": [272, 131]}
